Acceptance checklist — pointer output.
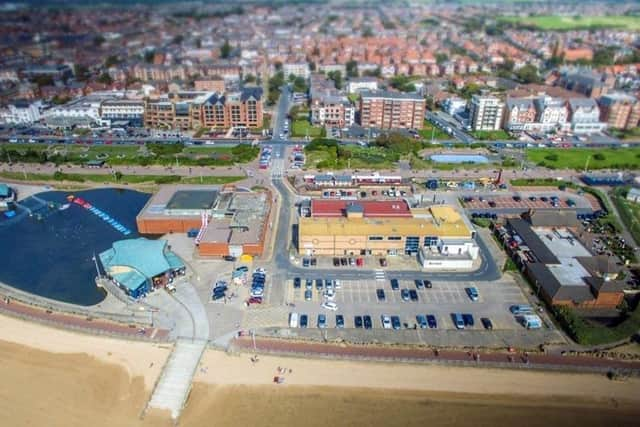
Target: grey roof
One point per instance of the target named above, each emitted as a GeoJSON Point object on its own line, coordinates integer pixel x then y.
{"type": "Point", "coordinates": [576, 103]}
{"type": "Point", "coordinates": [600, 265]}
{"type": "Point", "coordinates": [521, 103]}
{"type": "Point", "coordinates": [552, 218]}
{"type": "Point", "coordinates": [611, 98]}
{"type": "Point", "coordinates": [251, 92]}
{"type": "Point", "coordinates": [391, 95]}
{"type": "Point", "coordinates": [531, 239]}
{"type": "Point", "coordinates": [598, 284]}
{"type": "Point", "coordinates": [543, 277]}
{"type": "Point", "coordinates": [193, 199]}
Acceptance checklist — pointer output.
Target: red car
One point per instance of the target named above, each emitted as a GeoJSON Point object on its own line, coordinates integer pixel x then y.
{"type": "Point", "coordinates": [254, 300]}
{"type": "Point", "coordinates": [359, 262]}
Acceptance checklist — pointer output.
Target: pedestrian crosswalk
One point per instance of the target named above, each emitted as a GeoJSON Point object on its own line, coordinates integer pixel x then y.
{"type": "Point", "coordinates": [379, 275]}
{"type": "Point", "coordinates": [277, 168]}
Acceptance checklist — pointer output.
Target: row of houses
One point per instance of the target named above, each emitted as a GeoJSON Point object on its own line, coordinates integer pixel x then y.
{"type": "Point", "coordinates": [181, 110]}
{"type": "Point", "coordinates": [544, 113]}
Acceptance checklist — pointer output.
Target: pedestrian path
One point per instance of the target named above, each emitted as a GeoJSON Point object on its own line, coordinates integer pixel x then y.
{"type": "Point", "coordinates": [379, 275]}
{"type": "Point", "coordinates": [172, 389]}
{"type": "Point", "coordinates": [277, 168]}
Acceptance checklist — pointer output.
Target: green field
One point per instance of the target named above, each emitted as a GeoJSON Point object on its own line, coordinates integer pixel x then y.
{"type": "Point", "coordinates": [161, 154]}
{"type": "Point", "coordinates": [567, 23]}
{"type": "Point", "coordinates": [302, 128]}
{"type": "Point", "coordinates": [576, 158]}
{"type": "Point", "coordinates": [487, 135]}
{"type": "Point", "coordinates": [428, 130]}
{"type": "Point", "coordinates": [124, 179]}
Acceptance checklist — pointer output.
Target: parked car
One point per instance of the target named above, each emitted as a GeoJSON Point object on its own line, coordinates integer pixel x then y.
{"type": "Point", "coordinates": [419, 284]}
{"type": "Point", "coordinates": [308, 284]}
{"type": "Point", "coordinates": [254, 300]}
{"type": "Point", "coordinates": [330, 305]}
{"type": "Point", "coordinates": [336, 262]}
{"type": "Point", "coordinates": [307, 295]}
{"type": "Point", "coordinates": [431, 320]}
{"type": "Point", "coordinates": [404, 294]}
{"type": "Point", "coordinates": [395, 322]}
{"type": "Point", "coordinates": [486, 322]}
{"type": "Point", "coordinates": [368, 323]}
{"type": "Point", "coordinates": [339, 321]}
{"type": "Point", "coordinates": [296, 283]}
{"type": "Point", "coordinates": [357, 321]}
{"type": "Point", "coordinates": [380, 294]}
{"type": "Point", "coordinates": [319, 284]}
{"type": "Point", "coordinates": [458, 321]}
{"type": "Point", "coordinates": [383, 262]}
{"type": "Point", "coordinates": [428, 284]}
{"type": "Point", "coordinates": [304, 320]}
{"type": "Point", "coordinates": [421, 320]}
{"type": "Point", "coordinates": [395, 285]}
{"type": "Point", "coordinates": [468, 319]}
{"type": "Point", "coordinates": [473, 293]}
{"type": "Point", "coordinates": [413, 294]}
{"type": "Point", "coordinates": [386, 321]}
{"type": "Point", "coordinates": [322, 321]}
{"type": "Point", "coordinates": [329, 295]}
{"type": "Point", "coordinates": [306, 262]}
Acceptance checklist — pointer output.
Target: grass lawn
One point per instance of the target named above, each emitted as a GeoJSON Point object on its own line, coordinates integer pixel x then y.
{"type": "Point", "coordinates": [633, 133]}
{"type": "Point", "coordinates": [354, 97]}
{"type": "Point", "coordinates": [629, 212]}
{"type": "Point", "coordinates": [567, 23]}
{"type": "Point", "coordinates": [302, 128]}
{"type": "Point", "coordinates": [130, 179]}
{"type": "Point", "coordinates": [127, 154]}
{"type": "Point", "coordinates": [486, 135]}
{"type": "Point", "coordinates": [576, 158]}
{"type": "Point", "coordinates": [266, 121]}
{"type": "Point", "coordinates": [358, 158]}
{"type": "Point", "coordinates": [427, 131]}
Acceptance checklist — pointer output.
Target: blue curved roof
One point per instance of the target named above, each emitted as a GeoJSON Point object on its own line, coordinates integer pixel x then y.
{"type": "Point", "coordinates": [149, 258]}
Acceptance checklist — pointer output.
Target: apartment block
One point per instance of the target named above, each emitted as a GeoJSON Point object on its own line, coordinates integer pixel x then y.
{"type": "Point", "coordinates": [391, 110]}
{"type": "Point", "coordinates": [485, 112]}
{"type": "Point", "coordinates": [619, 110]}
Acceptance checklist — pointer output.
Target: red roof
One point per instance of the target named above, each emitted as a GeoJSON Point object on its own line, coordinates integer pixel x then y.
{"type": "Point", "coordinates": [321, 208]}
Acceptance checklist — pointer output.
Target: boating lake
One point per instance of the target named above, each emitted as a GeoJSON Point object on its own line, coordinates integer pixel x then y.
{"type": "Point", "coordinates": [50, 252]}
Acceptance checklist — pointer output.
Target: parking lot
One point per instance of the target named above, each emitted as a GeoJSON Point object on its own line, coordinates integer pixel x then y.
{"type": "Point", "coordinates": [528, 202]}
{"type": "Point", "coordinates": [359, 298]}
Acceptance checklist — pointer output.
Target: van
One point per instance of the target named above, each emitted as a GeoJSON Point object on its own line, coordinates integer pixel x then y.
{"type": "Point", "coordinates": [458, 320]}
{"type": "Point", "coordinates": [521, 309]}
{"type": "Point", "coordinates": [531, 321]}
{"type": "Point", "coordinates": [293, 320]}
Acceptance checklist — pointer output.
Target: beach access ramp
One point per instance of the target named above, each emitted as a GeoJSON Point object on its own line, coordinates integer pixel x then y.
{"type": "Point", "coordinates": [172, 389]}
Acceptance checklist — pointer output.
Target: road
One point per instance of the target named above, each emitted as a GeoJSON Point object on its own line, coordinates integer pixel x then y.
{"type": "Point", "coordinates": [443, 123]}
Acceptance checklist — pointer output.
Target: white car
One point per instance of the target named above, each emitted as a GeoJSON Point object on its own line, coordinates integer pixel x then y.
{"type": "Point", "coordinates": [257, 292]}
{"type": "Point", "coordinates": [386, 322]}
{"type": "Point", "coordinates": [337, 284]}
{"type": "Point", "coordinates": [330, 295]}
{"type": "Point", "coordinates": [330, 305]}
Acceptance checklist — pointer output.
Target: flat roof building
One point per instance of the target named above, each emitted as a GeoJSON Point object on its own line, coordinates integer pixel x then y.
{"type": "Point", "coordinates": [228, 222]}
{"type": "Point", "coordinates": [378, 228]}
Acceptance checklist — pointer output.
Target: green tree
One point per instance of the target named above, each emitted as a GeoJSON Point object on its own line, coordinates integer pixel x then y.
{"type": "Point", "coordinates": [98, 40]}
{"type": "Point", "coordinates": [81, 72]}
{"type": "Point", "coordinates": [352, 68]}
{"type": "Point", "coordinates": [225, 50]}
{"type": "Point", "coordinates": [105, 78]}
{"type": "Point", "coordinates": [111, 61]}
{"type": "Point", "coordinates": [148, 56]}
{"type": "Point", "coordinates": [604, 56]}
{"type": "Point", "coordinates": [367, 32]}
{"type": "Point", "coordinates": [299, 84]}
{"type": "Point", "coordinates": [249, 78]}
{"type": "Point", "coordinates": [336, 76]}
{"type": "Point", "coordinates": [528, 74]}
{"type": "Point", "coordinates": [117, 175]}
{"type": "Point", "coordinates": [441, 58]}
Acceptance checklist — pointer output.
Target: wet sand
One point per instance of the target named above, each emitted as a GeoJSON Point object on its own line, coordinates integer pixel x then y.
{"type": "Point", "coordinates": [326, 406]}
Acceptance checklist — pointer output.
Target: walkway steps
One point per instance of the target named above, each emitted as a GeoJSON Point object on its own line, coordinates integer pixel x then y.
{"type": "Point", "coordinates": [172, 389]}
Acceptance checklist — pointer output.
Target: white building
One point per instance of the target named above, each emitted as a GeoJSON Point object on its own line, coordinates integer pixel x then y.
{"type": "Point", "coordinates": [123, 109]}
{"type": "Point", "coordinates": [634, 195]}
{"type": "Point", "coordinates": [21, 112]}
{"type": "Point", "coordinates": [332, 68]}
{"type": "Point", "coordinates": [485, 112]}
{"type": "Point", "coordinates": [551, 114]}
{"type": "Point", "coordinates": [584, 116]}
{"type": "Point", "coordinates": [83, 112]}
{"type": "Point", "coordinates": [449, 254]}
{"type": "Point", "coordinates": [356, 85]}
{"type": "Point", "coordinates": [298, 69]}
{"type": "Point", "coordinates": [332, 110]}
{"type": "Point", "coordinates": [454, 105]}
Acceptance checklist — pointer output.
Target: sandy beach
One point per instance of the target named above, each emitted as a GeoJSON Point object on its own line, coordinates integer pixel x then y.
{"type": "Point", "coordinates": [54, 377]}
